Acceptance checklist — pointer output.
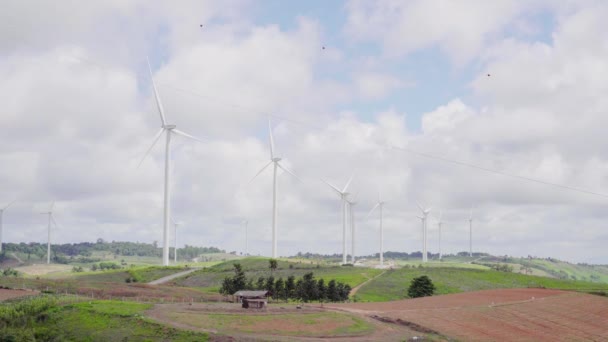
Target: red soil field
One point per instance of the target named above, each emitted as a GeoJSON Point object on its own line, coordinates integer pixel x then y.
{"type": "Point", "coordinates": [500, 315]}
{"type": "Point", "coordinates": [10, 294]}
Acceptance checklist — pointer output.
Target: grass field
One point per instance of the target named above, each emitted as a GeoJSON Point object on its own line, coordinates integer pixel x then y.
{"type": "Point", "coordinates": [210, 279]}
{"type": "Point", "coordinates": [46, 318]}
{"type": "Point", "coordinates": [393, 284]}
{"type": "Point", "coordinates": [290, 324]}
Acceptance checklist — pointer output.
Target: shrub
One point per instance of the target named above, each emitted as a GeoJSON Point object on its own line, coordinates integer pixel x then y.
{"type": "Point", "coordinates": [421, 287]}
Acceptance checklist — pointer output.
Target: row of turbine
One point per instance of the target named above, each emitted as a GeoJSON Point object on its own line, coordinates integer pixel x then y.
{"type": "Point", "coordinates": [276, 162]}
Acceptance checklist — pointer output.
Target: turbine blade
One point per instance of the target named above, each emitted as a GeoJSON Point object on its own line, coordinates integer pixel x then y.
{"type": "Point", "coordinates": [54, 222]}
{"type": "Point", "coordinates": [161, 111]}
{"type": "Point", "coordinates": [419, 206]}
{"type": "Point", "coordinates": [184, 134]}
{"type": "Point", "coordinates": [471, 214]}
{"type": "Point", "coordinates": [8, 205]}
{"type": "Point", "coordinates": [52, 206]}
{"type": "Point", "coordinates": [289, 171]}
{"type": "Point", "coordinates": [348, 183]}
{"type": "Point", "coordinates": [420, 217]}
{"type": "Point", "coordinates": [371, 211]}
{"type": "Point", "coordinates": [257, 174]}
{"type": "Point", "coordinates": [333, 187]}
{"type": "Point", "coordinates": [156, 137]}
{"type": "Point", "coordinates": [271, 140]}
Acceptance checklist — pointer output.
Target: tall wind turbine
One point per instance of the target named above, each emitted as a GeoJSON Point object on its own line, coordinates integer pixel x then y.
{"type": "Point", "coordinates": [471, 233]}
{"type": "Point", "coordinates": [169, 129]}
{"type": "Point", "coordinates": [276, 165]}
{"type": "Point", "coordinates": [2, 214]}
{"type": "Point", "coordinates": [351, 210]}
{"type": "Point", "coordinates": [424, 218]}
{"type": "Point", "coordinates": [439, 223]}
{"type": "Point", "coordinates": [343, 196]}
{"type": "Point", "coordinates": [48, 243]}
{"type": "Point", "coordinates": [380, 204]}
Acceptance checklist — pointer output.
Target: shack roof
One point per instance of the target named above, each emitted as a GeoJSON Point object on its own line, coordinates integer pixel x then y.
{"type": "Point", "coordinates": [251, 293]}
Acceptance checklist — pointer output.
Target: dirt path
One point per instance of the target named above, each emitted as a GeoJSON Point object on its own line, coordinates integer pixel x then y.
{"type": "Point", "coordinates": [171, 277]}
{"type": "Point", "coordinates": [356, 288]}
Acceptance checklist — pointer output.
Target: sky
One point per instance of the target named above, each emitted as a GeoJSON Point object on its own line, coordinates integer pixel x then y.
{"type": "Point", "coordinates": [500, 106]}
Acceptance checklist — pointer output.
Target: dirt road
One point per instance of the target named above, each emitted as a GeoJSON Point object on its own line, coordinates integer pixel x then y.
{"type": "Point", "coordinates": [171, 277]}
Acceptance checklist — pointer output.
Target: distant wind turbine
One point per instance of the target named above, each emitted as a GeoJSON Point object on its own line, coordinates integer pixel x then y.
{"type": "Point", "coordinates": [424, 218]}
{"type": "Point", "coordinates": [380, 204]}
{"type": "Point", "coordinates": [1, 222]}
{"type": "Point", "coordinates": [343, 196]}
{"type": "Point", "coordinates": [471, 232]}
{"type": "Point", "coordinates": [276, 163]}
{"type": "Point", "coordinates": [175, 225]}
{"type": "Point", "coordinates": [169, 129]}
{"type": "Point", "coordinates": [351, 210]}
{"type": "Point", "coordinates": [439, 223]}
{"type": "Point", "coordinates": [48, 243]}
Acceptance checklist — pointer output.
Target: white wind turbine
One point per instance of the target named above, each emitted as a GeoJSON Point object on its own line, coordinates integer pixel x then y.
{"type": "Point", "coordinates": [1, 215]}
{"type": "Point", "coordinates": [343, 196]}
{"type": "Point", "coordinates": [175, 225]}
{"type": "Point", "coordinates": [169, 129]}
{"type": "Point", "coordinates": [439, 224]}
{"type": "Point", "coordinates": [351, 210]}
{"type": "Point", "coordinates": [276, 163]}
{"type": "Point", "coordinates": [48, 243]}
{"type": "Point", "coordinates": [471, 232]}
{"type": "Point", "coordinates": [424, 218]}
{"type": "Point", "coordinates": [380, 204]}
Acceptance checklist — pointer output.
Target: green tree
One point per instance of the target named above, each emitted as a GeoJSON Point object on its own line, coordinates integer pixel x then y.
{"type": "Point", "coordinates": [260, 283]}
{"type": "Point", "coordinates": [321, 290]}
{"type": "Point", "coordinates": [332, 291]}
{"type": "Point", "coordinates": [239, 278]}
{"type": "Point", "coordinates": [270, 284]}
{"type": "Point", "coordinates": [273, 265]}
{"type": "Point", "coordinates": [279, 289]}
{"type": "Point", "coordinates": [290, 287]}
{"type": "Point", "coordinates": [421, 287]}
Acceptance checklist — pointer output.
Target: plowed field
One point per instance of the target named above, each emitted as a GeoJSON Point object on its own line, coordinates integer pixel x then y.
{"type": "Point", "coordinates": [499, 315]}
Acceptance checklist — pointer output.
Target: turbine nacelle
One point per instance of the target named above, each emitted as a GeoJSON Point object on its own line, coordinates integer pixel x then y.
{"type": "Point", "coordinates": [276, 159]}
{"type": "Point", "coordinates": [169, 127]}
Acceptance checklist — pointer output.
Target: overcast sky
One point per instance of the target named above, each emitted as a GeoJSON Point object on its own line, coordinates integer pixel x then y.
{"type": "Point", "coordinates": [518, 87]}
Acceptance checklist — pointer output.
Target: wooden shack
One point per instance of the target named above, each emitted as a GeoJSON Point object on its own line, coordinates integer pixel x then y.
{"type": "Point", "coordinates": [252, 299]}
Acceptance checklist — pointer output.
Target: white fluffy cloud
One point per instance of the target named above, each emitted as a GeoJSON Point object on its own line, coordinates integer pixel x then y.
{"type": "Point", "coordinates": [79, 115]}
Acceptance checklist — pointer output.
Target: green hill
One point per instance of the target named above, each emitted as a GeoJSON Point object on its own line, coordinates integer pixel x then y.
{"type": "Point", "coordinates": [393, 284]}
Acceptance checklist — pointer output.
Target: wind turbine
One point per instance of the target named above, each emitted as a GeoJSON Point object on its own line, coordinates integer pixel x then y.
{"type": "Point", "coordinates": [2, 214]}
{"type": "Point", "coordinates": [471, 233]}
{"type": "Point", "coordinates": [439, 223]}
{"type": "Point", "coordinates": [175, 225]}
{"type": "Point", "coordinates": [169, 129]}
{"type": "Point", "coordinates": [351, 204]}
{"type": "Point", "coordinates": [425, 214]}
{"type": "Point", "coordinates": [343, 196]}
{"type": "Point", "coordinates": [276, 165]}
{"type": "Point", "coordinates": [380, 204]}
{"type": "Point", "coordinates": [48, 243]}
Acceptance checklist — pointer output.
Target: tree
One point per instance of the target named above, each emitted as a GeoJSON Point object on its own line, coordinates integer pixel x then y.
{"type": "Point", "coordinates": [270, 284]}
{"type": "Point", "coordinates": [239, 278]}
{"type": "Point", "coordinates": [308, 290]}
{"type": "Point", "coordinates": [273, 265]}
{"type": "Point", "coordinates": [290, 287]}
{"type": "Point", "coordinates": [332, 291]}
{"type": "Point", "coordinates": [421, 287]}
{"type": "Point", "coordinates": [279, 289]}
{"type": "Point", "coordinates": [321, 290]}
{"type": "Point", "coordinates": [260, 283]}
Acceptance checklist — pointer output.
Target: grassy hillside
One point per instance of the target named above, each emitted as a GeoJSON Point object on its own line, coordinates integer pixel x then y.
{"type": "Point", "coordinates": [49, 318]}
{"type": "Point", "coordinates": [393, 284]}
{"type": "Point", "coordinates": [254, 267]}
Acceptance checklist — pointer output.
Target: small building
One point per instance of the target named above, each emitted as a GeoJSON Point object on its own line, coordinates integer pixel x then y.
{"type": "Point", "coordinates": [252, 299]}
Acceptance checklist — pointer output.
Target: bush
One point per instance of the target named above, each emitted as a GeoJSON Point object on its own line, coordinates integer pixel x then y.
{"type": "Point", "coordinates": [421, 287]}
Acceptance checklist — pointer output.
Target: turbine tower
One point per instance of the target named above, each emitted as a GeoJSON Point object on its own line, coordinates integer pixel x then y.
{"type": "Point", "coordinates": [343, 196]}
{"type": "Point", "coordinates": [175, 225]}
{"type": "Point", "coordinates": [471, 232]}
{"type": "Point", "coordinates": [48, 241]}
{"type": "Point", "coordinates": [424, 217]}
{"type": "Point", "coordinates": [380, 204]}
{"type": "Point", "coordinates": [276, 161]}
{"type": "Point", "coordinates": [2, 214]}
{"type": "Point", "coordinates": [169, 129]}
{"type": "Point", "coordinates": [439, 223]}
{"type": "Point", "coordinates": [351, 204]}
